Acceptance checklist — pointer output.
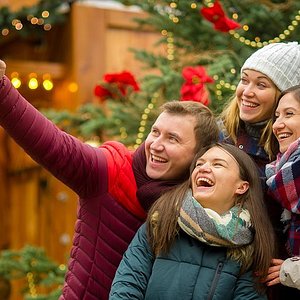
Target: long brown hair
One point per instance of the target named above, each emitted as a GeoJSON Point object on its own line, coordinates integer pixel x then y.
{"type": "Point", "coordinates": [162, 226]}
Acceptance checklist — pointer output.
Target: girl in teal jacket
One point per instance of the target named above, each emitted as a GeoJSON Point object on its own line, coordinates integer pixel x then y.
{"type": "Point", "coordinates": [204, 239]}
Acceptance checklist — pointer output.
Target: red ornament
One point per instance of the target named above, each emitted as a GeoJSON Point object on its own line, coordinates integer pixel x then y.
{"type": "Point", "coordinates": [101, 92]}
{"type": "Point", "coordinates": [123, 80]}
{"type": "Point", "coordinates": [194, 88]}
{"type": "Point", "coordinates": [216, 15]}
{"type": "Point", "coordinates": [119, 82]}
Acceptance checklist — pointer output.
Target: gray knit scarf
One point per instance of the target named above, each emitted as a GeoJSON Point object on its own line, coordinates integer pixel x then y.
{"type": "Point", "coordinates": [232, 229]}
{"type": "Point", "coordinates": [255, 130]}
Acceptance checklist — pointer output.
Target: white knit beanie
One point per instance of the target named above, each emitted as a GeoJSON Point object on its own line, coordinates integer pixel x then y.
{"type": "Point", "coordinates": [279, 61]}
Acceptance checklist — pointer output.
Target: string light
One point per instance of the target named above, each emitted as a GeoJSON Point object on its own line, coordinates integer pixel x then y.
{"type": "Point", "coordinates": [33, 20]}
{"type": "Point", "coordinates": [208, 3]}
{"type": "Point", "coordinates": [31, 284]}
{"type": "Point", "coordinates": [221, 84]}
{"type": "Point", "coordinates": [257, 43]}
{"type": "Point", "coordinates": [47, 82]}
{"type": "Point", "coordinates": [173, 5]}
{"type": "Point", "coordinates": [47, 27]}
{"type": "Point", "coordinates": [5, 31]}
{"type": "Point", "coordinates": [170, 44]}
{"type": "Point", "coordinates": [45, 14]}
{"type": "Point", "coordinates": [123, 133]}
{"type": "Point", "coordinates": [33, 82]}
{"type": "Point", "coordinates": [144, 119]}
{"type": "Point", "coordinates": [15, 80]}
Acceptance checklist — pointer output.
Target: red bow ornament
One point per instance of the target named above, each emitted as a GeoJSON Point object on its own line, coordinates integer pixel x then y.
{"type": "Point", "coordinates": [194, 88]}
{"type": "Point", "coordinates": [116, 85]}
{"type": "Point", "coordinates": [216, 15]}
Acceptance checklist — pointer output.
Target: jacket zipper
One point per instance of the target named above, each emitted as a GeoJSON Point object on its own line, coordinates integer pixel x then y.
{"type": "Point", "coordinates": [215, 280]}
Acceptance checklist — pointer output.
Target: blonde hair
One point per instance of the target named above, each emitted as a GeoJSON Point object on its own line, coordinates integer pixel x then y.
{"type": "Point", "coordinates": [230, 117]}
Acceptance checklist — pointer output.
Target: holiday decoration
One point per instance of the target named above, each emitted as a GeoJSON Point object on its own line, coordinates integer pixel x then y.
{"type": "Point", "coordinates": [239, 28]}
{"type": "Point", "coordinates": [39, 272]}
{"type": "Point", "coordinates": [216, 15]}
{"type": "Point", "coordinates": [116, 86]}
{"type": "Point", "coordinates": [33, 20]}
{"type": "Point", "coordinates": [194, 86]}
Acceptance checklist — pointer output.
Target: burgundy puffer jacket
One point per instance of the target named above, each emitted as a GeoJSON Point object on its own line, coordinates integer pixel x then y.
{"type": "Point", "coordinates": [109, 213]}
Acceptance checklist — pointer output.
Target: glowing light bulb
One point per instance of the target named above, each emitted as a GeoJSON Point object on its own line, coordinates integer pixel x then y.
{"type": "Point", "coordinates": [33, 83]}
{"type": "Point", "coordinates": [48, 84]}
{"type": "Point", "coordinates": [16, 82]}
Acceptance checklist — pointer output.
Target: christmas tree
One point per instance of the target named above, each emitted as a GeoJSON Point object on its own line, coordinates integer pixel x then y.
{"type": "Point", "coordinates": [43, 278]}
{"type": "Point", "coordinates": [206, 44]}
{"type": "Point", "coordinates": [210, 40]}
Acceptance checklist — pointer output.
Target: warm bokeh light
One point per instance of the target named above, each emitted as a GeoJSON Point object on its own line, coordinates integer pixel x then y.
{"type": "Point", "coordinates": [16, 82]}
{"type": "Point", "coordinates": [73, 87]}
{"type": "Point", "coordinates": [33, 83]}
{"type": "Point", "coordinates": [48, 84]}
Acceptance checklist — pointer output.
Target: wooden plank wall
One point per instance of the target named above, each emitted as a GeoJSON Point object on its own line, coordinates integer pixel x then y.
{"type": "Point", "coordinates": [17, 4]}
{"type": "Point", "coordinates": [35, 208]}
{"type": "Point", "coordinates": [101, 39]}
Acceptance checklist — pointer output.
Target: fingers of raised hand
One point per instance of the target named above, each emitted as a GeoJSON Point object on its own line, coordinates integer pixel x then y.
{"type": "Point", "coordinates": [2, 68]}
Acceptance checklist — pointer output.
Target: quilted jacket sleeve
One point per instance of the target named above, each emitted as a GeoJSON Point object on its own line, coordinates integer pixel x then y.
{"type": "Point", "coordinates": [70, 160]}
{"type": "Point", "coordinates": [121, 182]}
{"type": "Point", "coordinates": [245, 288]}
{"type": "Point", "coordinates": [290, 272]}
{"type": "Point", "coordinates": [134, 271]}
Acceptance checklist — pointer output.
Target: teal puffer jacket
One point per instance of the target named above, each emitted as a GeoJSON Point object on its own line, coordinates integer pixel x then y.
{"type": "Point", "coordinates": [191, 270]}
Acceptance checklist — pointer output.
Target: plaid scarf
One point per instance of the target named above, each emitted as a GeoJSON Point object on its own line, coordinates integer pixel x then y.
{"type": "Point", "coordinates": [283, 181]}
{"type": "Point", "coordinates": [232, 229]}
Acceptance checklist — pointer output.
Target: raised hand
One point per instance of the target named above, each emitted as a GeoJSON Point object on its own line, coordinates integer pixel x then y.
{"type": "Point", "coordinates": [2, 68]}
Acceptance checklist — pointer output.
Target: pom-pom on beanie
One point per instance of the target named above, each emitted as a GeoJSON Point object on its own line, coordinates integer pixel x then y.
{"type": "Point", "coordinates": [279, 61]}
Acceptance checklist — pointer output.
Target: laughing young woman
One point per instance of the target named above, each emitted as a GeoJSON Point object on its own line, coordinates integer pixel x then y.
{"type": "Point", "coordinates": [283, 181]}
{"type": "Point", "coordinates": [247, 119]}
{"type": "Point", "coordinates": [204, 239]}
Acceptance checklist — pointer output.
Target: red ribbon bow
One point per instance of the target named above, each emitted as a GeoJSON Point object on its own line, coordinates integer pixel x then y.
{"type": "Point", "coordinates": [216, 15]}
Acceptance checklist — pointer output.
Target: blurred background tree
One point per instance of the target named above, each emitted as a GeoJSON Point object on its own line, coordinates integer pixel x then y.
{"type": "Point", "coordinates": [42, 278]}
{"type": "Point", "coordinates": [206, 43]}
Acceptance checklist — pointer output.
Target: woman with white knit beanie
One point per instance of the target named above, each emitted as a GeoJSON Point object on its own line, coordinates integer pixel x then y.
{"type": "Point", "coordinates": [246, 121]}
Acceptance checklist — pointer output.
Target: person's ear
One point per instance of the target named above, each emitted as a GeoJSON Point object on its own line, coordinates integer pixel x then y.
{"type": "Point", "coordinates": [242, 187]}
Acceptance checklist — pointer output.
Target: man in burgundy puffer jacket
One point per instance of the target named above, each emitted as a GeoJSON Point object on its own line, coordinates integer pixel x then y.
{"type": "Point", "coordinates": [116, 187]}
